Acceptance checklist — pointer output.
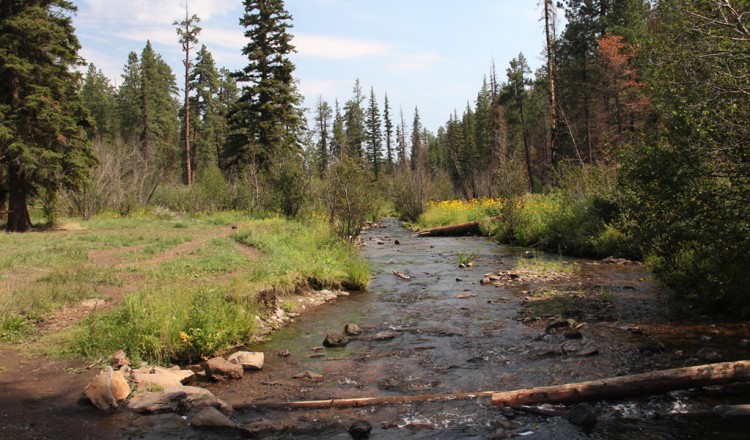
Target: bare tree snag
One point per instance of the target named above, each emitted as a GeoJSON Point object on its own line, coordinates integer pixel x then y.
{"type": "Point", "coordinates": [629, 386]}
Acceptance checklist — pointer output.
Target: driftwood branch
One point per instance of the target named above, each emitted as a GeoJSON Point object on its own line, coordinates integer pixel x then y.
{"type": "Point", "coordinates": [362, 401]}
{"type": "Point", "coordinates": [629, 386]}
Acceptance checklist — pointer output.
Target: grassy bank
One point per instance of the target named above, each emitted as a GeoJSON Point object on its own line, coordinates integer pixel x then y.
{"type": "Point", "coordinates": [182, 287]}
{"type": "Point", "coordinates": [584, 226]}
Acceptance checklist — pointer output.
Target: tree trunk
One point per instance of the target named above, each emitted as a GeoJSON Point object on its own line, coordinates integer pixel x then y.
{"type": "Point", "coordinates": [361, 401]}
{"type": "Point", "coordinates": [549, 26]}
{"type": "Point", "coordinates": [188, 159]}
{"type": "Point", "coordinates": [18, 213]}
{"type": "Point", "coordinates": [3, 197]}
{"type": "Point", "coordinates": [629, 386]}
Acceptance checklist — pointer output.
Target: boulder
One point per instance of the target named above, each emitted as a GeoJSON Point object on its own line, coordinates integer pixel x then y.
{"type": "Point", "coordinates": [383, 336]}
{"type": "Point", "coordinates": [100, 393]}
{"type": "Point", "coordinates": [211, 418]}
{"type": "Point", "coordinates": [351, 330]}
{"type": "Point", "coordinates": [335, 340]}
{"type": "Point", "coordinates": [248, 360]}
{"type": "Point", "coordinates": [120, 386]}
{"type": "Point", "coordinates": [153, 402]}
{"type": "Point", "coordinates": [219, 369]}
{"type": "Point", "coordinates": [360, 429]}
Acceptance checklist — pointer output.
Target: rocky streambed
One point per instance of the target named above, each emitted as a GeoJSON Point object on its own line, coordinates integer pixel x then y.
{"type": "Point", "coordinates": [465, 315]}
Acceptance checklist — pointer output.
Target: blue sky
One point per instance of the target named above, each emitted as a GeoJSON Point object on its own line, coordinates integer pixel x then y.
{"type": "Point", "coordinates": [427, 53]}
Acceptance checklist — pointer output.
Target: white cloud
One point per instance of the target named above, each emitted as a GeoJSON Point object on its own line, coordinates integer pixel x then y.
{"type": "Point", "coordinates": [151, 11]}
{"type": "Point", "coordinates": [415, 62]}
{"type": "Point", "coordinates": [336, 48]}
{"type": "Point", "coordinates": [318, 87]}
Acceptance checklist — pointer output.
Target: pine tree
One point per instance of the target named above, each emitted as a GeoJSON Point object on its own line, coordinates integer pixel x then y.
{"type": "Point", "coordinates": [159, 133]}
{"type": "Point", "coordinates": [323, 114]}
{"type": "Point", "coordinates": [401, 137]}
{"type": "Point", "coordinates": [208, 124]}
{"type": "Point", "coordinates": [417, 143]}
{"type": "Point", "coordinates": [129, 101]}
{"type": "Point", "coordinates": [388, 135]}
{"type": "Point", "coordinates": [98, 97]}
{"type": "Point", "coordinates": [43, 141]}
{"type": "Point", "coordinates": [338, 142]}
{"type": "Point", "coordinates": [188, 31]}
{"type": "Point", "coordinates": [266, 123]}
{"type": "Point", "coordinates": [374, 135]}
{"type": "Point", "coordinates": [354, 117]}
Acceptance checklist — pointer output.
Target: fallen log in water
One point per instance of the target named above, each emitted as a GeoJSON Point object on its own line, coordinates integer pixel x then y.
{"type": "Point", "coordinates": [629, 386]}
{"type": "Point", "coordinates": [451, 230]}
{"type": "Point", "coordinates": [361, 401]}
{"type": "Point", "coordinates": [617, 387]}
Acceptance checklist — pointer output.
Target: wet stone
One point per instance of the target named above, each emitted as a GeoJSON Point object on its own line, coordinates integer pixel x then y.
{"type": "Point", "coordinates": [352, 330]}
{"type": "Point", "coordinates": [360, 429]}
{"type": "Point", "coordinates": [383, 336]}
{"type": "Point", "coordinates": [573, 334]}
{"type": "Point", "coordinates": [335, 340]}
{"type": "Point", "coordinates": [582, 414]}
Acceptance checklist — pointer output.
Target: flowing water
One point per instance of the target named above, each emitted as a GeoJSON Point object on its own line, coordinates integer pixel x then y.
{"type": "Point", "coordinates": [451, 334]}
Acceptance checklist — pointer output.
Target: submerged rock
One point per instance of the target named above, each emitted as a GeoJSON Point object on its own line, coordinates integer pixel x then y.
{"type": "Point", "coordinates": [335, 340]}
{"type": "Point", "coordinates": [156, 402]}
{"type": "Point", "coordinates": [360, 429]}
{"type": "Point", "coordinates": [211, 418]}
{"type": "Point", "coordinates": [582, 414]}
{"type": "Point", "coordinates": [351, 329]}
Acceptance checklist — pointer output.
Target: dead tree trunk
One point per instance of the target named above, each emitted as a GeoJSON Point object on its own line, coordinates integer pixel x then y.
{"type": "Point", "coordinates": [629, 386]}
{"type": "Point", "coordinates": [451, 230]}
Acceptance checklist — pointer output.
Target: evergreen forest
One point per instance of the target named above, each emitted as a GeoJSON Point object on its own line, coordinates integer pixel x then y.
{"type": "Point", "coordinates": [631, 141]}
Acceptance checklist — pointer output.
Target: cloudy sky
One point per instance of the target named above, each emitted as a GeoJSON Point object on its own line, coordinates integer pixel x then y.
{"type": "Point", "coordinates": [432, 54]}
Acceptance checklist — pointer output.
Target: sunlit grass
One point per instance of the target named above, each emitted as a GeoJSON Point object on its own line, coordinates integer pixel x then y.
{"type": "Point", "coordinates": [449, 212]}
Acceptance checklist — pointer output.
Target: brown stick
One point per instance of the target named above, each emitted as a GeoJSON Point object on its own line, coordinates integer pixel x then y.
{"type": "Point", "coordinates": [361, 401]}
{"type": "Point", "coordinates": [403, 276]}
{"type": "Point", "coordinates": [629, 386]}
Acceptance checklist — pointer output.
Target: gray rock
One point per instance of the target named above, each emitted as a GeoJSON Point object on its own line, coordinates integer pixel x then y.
{"type": "Point", "coordinates": [156, 402]}
{"type": "Point", "coordinates": [219, 369]}
{"type": "Point", "coordinates": [709, 354]}
{"type": "Point", "coordinates": [199, 398]}
{"type": "Point", "coordinates": [360, 429]}
{"type": "Point", "coordinates": [248, 360]}
{"type": "Point", "coordinates": [211, 418]}
{"type": "Point", "coordinates": [335, 340]}
{"type": "Point", "coordinates": [732, 410]}
{"type": "Point", "coordinates": [582, 414]}
{"type": "Point", "coordinates": [573, 334]}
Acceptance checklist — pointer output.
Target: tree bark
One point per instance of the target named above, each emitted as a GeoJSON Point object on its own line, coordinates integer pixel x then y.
{"type": "Point", "coordinates": [18, 212]}
{"type": "Point", "coordinates": [3, 198]}
{"type": "Point", "coordinates": [629, 386]}
{"type": "Point", "coordinates": [451, 230]}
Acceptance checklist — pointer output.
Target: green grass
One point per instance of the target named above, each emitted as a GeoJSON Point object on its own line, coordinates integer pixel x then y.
{"type": "Point", "coordinates": [183, 303]}
{"type": "Point", "coordinates": [465, 258]}
{"type": "Point", "coordinates": [540, 266]}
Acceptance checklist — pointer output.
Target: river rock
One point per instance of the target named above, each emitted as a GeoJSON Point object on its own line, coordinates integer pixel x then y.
{"type": "Point", "coordinates": [573, 334]}
{"type": "Point", "coordinates": [151, 377]}
{"type": "Point", "coordinates": [351, 329]}
{"type": "Point", "coordinates": [360, 429]}
{"type": "Point", "coordinates": [248, 360]}
{"type": "Point", "coordinates": [383, 336]}
{"type": "Point", "coordinates": [198, 398]}
{"type": "Point", "coordinates": [106, 389]}
{"type": "Point", "coordinates": [651, 346]}
{"type": "Point", "coordinates": [211, 418]}
{"type": "Point", "coordinates": [308, 375]}
{"type": "Point", "coordinates": [153, 402]}
{"type": "Point", "coordinates": [582, 414]}
{"type": "Point", "coordinates": [219, 369]}
{"type": "Point", "coordinates": [709, 354]}
{"type": "Point", "coordinates": [335, 340]}
{"type": "Point", "coordinates": [119, 360]}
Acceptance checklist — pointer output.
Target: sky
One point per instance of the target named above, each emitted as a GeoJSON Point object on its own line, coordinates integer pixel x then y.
{"type": "Point", "coordinates": [430, 54]}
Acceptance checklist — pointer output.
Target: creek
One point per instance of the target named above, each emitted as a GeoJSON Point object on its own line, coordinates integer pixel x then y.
{"type": "Point", "coordinates": [452, 334]}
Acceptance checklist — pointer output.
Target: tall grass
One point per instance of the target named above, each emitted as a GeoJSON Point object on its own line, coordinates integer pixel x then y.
{"type": "Point", "coordinates": [450, 212]}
